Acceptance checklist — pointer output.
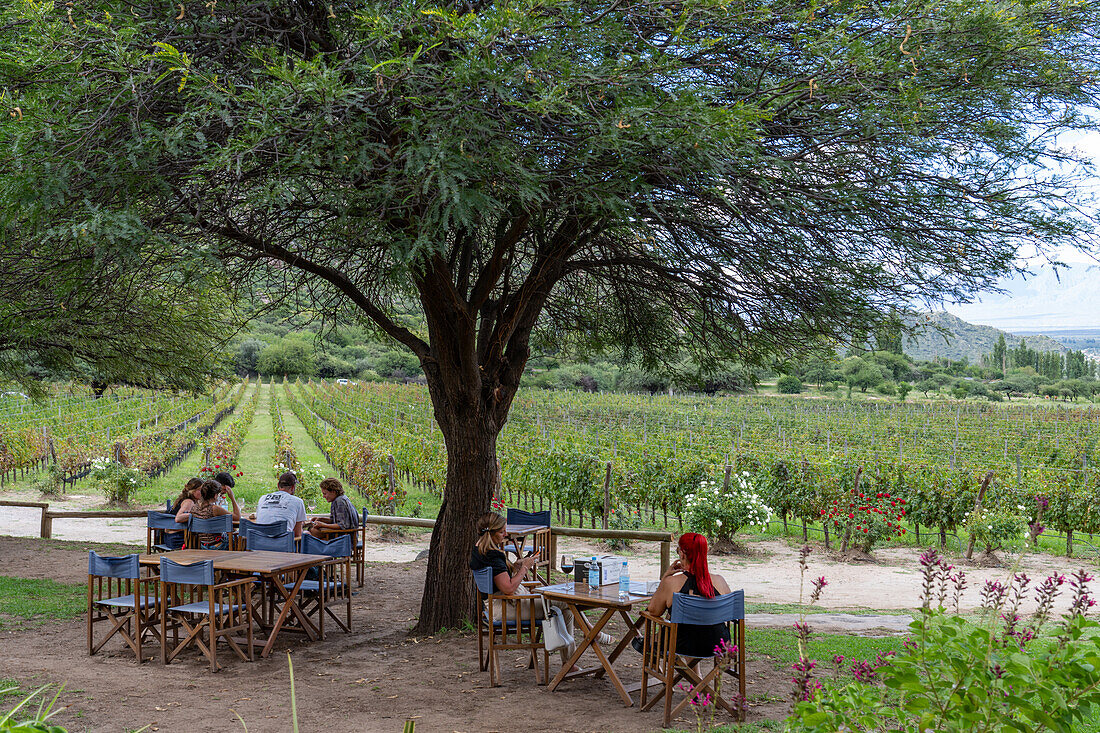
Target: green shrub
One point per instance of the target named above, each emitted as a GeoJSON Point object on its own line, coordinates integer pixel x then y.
{"type": "Point", "coordinates": [788, 385]}
{"type": "Point", "coordinates": [954, 676]}
{"type": "Point", "coordinates": [117, 482]}
{"type": "Point", "coordinates": [719, 515]}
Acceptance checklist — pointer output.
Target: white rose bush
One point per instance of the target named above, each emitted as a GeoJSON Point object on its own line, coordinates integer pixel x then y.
{"type": "Point", "coordinates": [721, 514]}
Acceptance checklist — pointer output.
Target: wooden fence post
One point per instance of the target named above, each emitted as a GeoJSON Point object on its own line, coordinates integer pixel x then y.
{"type": "Point", "coordinates": [45, 528]}
{"type": "Point", "coordinates": [392, 504]}
{"type": "Point", "coordinates": [977, 506]}
{"type": "Point", "coordinates": [666, 553]}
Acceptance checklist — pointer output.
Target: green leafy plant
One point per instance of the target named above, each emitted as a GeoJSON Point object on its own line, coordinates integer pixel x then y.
{"type": "Point", "coordinates": [720, 514]}
{"type": "Point", "coordinates": [117, 482]}
{"type": "Point", "coordinates": [51, 481]}
{"type": "Point", "coordinates": [622, 517]}
{"type": "Point", "coordinates": [865, 517]}
{"type": "Point", "coordinates": [996, 528]}
{"type": "Point", "coordinates": [955, 675]}
{"type": "Point", "coordinates": [37, 722]}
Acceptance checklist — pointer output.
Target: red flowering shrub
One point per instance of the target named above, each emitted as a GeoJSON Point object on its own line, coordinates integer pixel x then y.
{"type": "Point", "coordinates": [864, 518]}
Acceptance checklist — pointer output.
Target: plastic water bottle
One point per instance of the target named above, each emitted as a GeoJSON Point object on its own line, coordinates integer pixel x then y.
{"type": "Point", "coordinates": [624, 583]}
{"type": "Point", "coordinates": [593, 575]}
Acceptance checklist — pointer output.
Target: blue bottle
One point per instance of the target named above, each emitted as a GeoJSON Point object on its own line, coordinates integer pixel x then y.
{"type": "Point", "coordinates": [624, 582]}
{"type": "Point", "coordinates": [593, 575]}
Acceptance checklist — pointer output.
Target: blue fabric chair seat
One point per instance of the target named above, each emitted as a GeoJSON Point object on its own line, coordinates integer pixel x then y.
{"type": "Point", "coordinates": [128, 601]}
{"type": "Point", "coordinates": [312, 586]}
{"type": "Point", "coordinates": [204, 607]}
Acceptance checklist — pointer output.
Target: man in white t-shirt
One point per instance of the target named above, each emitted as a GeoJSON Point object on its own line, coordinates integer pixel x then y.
{"type": "Point", "coordinates": [283, 505]}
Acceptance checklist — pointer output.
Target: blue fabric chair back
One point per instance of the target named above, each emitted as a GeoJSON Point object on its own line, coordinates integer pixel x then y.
{"type": "Point", "coordinates": [518, 516]}
{"type": "Point", "coordinates": [213, 525]}
{"type": "Point", "coordinates": [161, 520]}
{"type": "Point", "coordinates": [268, 529]}
{"type": "Point", "coordinates": [112, 567]}
{"type": "Point", "coordinates": [706, 611]}
{"type": "Point", "coordinates": [483, 578]}
{"type": "Point", "coordinates": [279, 543]}
{"type": "Point", "coordinates": [339, 547]}
{"type": "Point", "coordinates": [199, 573]}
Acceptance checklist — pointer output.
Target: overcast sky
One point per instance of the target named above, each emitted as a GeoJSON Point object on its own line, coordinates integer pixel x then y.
{"type": "Point", "coordinates": [1046, 301]}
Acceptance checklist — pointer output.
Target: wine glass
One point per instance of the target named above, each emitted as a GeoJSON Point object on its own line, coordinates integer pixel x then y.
{"type": "Point", "coordinates": [567, 568]}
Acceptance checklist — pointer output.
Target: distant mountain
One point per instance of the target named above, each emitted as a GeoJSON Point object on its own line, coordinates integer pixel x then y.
{"type": "Point", "coordinates": [944, 335]}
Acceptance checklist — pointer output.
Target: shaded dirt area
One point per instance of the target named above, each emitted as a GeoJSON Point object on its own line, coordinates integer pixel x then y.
{"type": "Point", "coordinates": [370, 680]}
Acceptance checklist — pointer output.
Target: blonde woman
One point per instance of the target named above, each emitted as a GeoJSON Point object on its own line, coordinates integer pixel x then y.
{"type": "Point", "coordinates": [508, 577]}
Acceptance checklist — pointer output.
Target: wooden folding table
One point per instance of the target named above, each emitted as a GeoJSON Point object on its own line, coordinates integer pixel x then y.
{"type": "Point", "coordinates": [606, 597]}
{"type": "Point", "coordinates": [273, 567]}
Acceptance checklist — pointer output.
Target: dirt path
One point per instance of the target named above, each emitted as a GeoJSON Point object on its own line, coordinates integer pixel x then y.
{"type": "Point", "coordinates": [377, 676]}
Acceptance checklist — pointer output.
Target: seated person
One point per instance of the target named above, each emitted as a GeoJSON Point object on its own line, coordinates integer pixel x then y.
{"type": "Point", "coordinates": [508, 577]}
{"type": "Point", "coordinates": [207, 508]}
{"type": "Point", "coordinates": [342, 514]}
{"type": "Point", "coordinates": [228, 482]}
{"type": "Point", "coordinates": [181, 507]}
{"type": "Point", "coordinates": [690, 574]}
{"type": "Point", "coordinates": [283, 505]}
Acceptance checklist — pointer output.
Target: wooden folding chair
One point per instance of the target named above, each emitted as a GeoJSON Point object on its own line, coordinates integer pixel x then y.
{"type": "Point", "coordinates": [508, 622]}
{"type": "Point", "coordinates": [661, 660]}
{"type": "Point", "coordinates": [332, 588]}
{"type": "Point", "coordinates": [119, 597]}
{"type": "Point", "coordinates": [192, 602]}
{"type": "Point", "coordinates": [354, 534]}
{"type": "Point", "coordinates": [267, 529]}
{"type": "Point", "coordinates": [263, 609]}
{"type": "Point", "coordinates": [540, 541]}
{"type": "Point", "coordinates": [158, 538]}
{"type": "Point", "coordinates": [222, 524]}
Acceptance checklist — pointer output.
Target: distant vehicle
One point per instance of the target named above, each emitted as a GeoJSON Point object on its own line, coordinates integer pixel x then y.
{"type": "Point", "coordinates": [13, 394]}
{"type": "Point", "coordinates": [345, 381]}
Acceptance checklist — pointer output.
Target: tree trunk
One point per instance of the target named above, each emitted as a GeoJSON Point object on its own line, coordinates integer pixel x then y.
{"type": "Point", "coordinates": [471, 467]}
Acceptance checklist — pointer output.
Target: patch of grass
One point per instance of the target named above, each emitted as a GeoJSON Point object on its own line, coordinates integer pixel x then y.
{"type": "Point", "coordinates": [781, 645]}
{"type": "Point", "coordinates": [39, 600]}
{"type": "Point", "coordinates": [9, 688]}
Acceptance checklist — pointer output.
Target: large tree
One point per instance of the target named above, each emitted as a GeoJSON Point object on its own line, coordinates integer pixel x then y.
{"type": "Point", "coordinates": [106, 315]}
{"type": "Point", "coordinates": [722, 176]}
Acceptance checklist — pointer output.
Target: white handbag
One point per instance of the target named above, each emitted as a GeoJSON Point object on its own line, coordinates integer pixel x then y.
{"type": "Point", "coordinates": [555, 634]}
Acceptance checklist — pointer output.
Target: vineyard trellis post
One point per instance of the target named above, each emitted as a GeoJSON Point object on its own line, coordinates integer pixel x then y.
{"type": "Point", "coordinates": [606, 494]}
{"type": "Point", "coordinates": [977, 506]}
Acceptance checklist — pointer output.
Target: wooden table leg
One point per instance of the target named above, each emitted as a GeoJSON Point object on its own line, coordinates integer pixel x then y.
{"type": "Point", "coordinates": [290, 603]}
{"type": "Point", "coordinates": [592, 632]}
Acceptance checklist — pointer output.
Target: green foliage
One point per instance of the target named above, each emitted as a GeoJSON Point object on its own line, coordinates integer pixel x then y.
{"type": "Point", "coordinates": [996, 528]}
{"type": "Point", "coordinates": [50, 481]}
{"type": "Point", "coordinates": [117, 482]}
{"type": "Point", "coordinates": [958, 676]}
{"type": "Point", "coordinates": [286, 358]}
{"type": "Point", "coordinates": [719, 513]}
{"type": "Point", "coordinates": [17, 719]}
{"type": "Point", "coordinates": [865, 514]}
{"type": "Point", "coordinates": [788, 385]}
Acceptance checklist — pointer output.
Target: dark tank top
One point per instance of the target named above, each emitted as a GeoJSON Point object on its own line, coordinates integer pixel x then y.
{"type": "Point", "coordinates": [698, 640]}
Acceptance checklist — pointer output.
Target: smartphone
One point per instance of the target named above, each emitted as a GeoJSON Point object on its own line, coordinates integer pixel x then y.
{"type": "Point", "coordinates": [529, 553]}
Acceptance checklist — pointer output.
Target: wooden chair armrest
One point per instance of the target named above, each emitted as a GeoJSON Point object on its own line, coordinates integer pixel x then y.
{"type": "Point", "coordinates": [230, 583]}
{"type": "Point", "coordinates": [515, 596]}
{"type": "Point", "coordinates": [650, 618]}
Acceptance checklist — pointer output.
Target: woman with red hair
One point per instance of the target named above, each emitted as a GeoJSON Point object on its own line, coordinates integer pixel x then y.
{"type": "Point", "coordinates": [690, 574]}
